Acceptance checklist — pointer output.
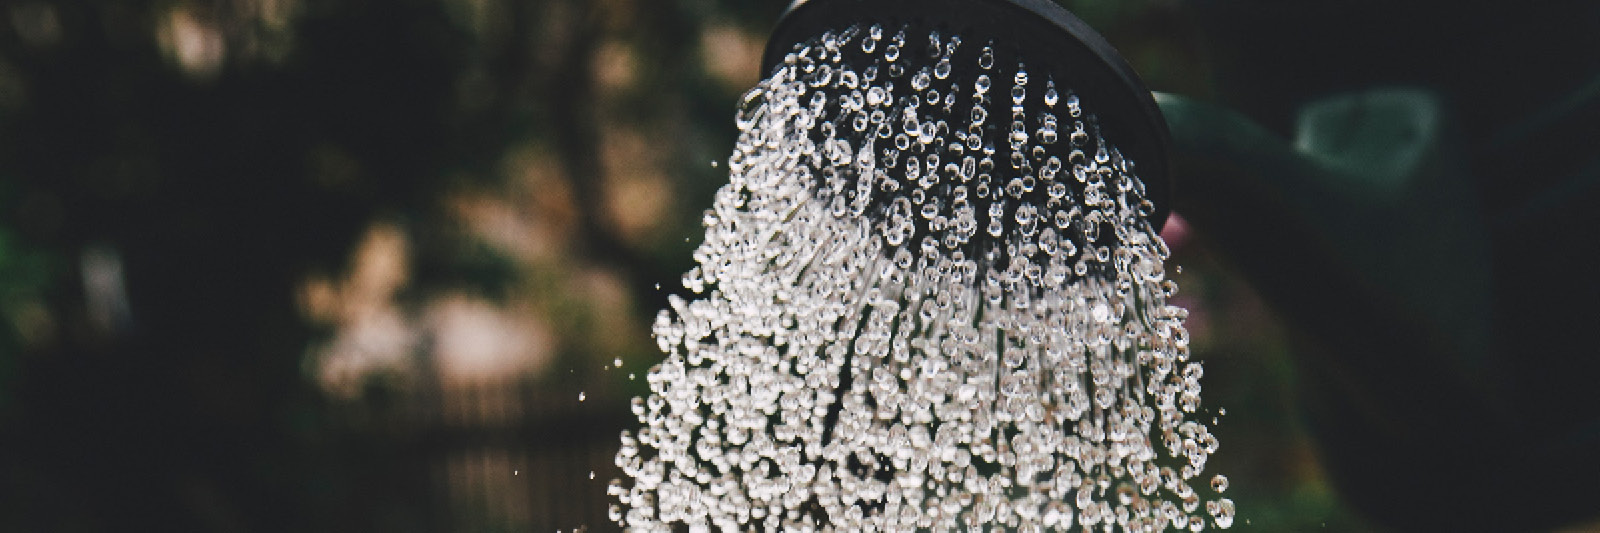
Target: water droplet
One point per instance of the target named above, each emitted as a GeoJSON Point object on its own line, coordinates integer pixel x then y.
{"type": "Point", "coordinates": [921, 80]}
{"type": "Point", "coordinates": [581, 396]}
{"type": "Point", "coordinates": [1225, 513]}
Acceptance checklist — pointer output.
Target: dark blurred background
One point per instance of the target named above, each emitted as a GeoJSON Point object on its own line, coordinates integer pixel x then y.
{"type": "Point", "coordinates": [347, 265]}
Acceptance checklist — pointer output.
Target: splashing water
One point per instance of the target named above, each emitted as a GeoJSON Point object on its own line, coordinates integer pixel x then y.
{"type": "Point", "coordinates": [906, 324]}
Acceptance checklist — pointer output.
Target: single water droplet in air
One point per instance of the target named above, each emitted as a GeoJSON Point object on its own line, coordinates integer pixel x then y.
{"type": "Point", "coordinates": [1225, 513]}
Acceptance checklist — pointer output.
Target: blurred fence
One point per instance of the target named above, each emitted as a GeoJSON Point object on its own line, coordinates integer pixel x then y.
{"type": "Point", "coordinates": [501, 456]}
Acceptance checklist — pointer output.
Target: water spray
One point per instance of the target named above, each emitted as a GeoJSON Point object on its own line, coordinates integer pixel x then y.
{"type": "Point", "coordinates": [932, 294]}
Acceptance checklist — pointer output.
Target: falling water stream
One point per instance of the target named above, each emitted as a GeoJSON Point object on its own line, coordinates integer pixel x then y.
{"type": "Point", "coordinates": [925, 302]}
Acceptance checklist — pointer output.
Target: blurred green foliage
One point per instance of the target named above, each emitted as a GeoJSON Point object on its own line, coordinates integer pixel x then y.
{"type": "Point", "coordinates": [24, 275]}
{"type": "Point", "coordinates": [235, 156]}
{"type": "Point", "coordinates": [371, 252]}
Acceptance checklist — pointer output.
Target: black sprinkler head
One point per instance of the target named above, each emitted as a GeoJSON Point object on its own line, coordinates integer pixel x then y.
{"type": "Point", "coordinates": [1050, 39]}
